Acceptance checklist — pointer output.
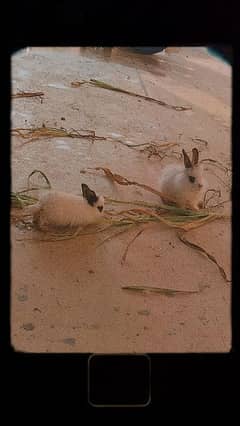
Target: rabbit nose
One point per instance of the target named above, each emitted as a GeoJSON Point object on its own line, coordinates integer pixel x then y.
{"type": "Point", "coordinates": [200, 185]}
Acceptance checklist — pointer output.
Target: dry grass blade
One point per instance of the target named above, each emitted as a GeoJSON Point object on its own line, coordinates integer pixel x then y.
{"type": "Point", "coordinates": [205, 253]}
{"type": "Point", "coordinates": [52, 132]}
{"type": "Point", "coordinates": [167, 208]}
{"type": "Point", "coordinates": [173, 220]}
{"type": "Point", "coordinates": [197, 223]}
{"type": "Point", "coordinates": [224, 183]}
{"type": "Point", "coordinates": [164, 291]}
{"type": "Point", "coordinates": [34, 134]}
{"type": "Point", "coordinates": [19, 200]}
{"type": "Point", "coordinates": [104, 85]}
{"type": "Point", "coordinates": [107, 86]}
{"type": "Point", "coordinates": [161, 150]}
{"type": "Point", "coordinates": [150, 148]}
{"type": "Point", "coordinates": [124, 181]}
{"type": "Point", "coordinates": [134, 202]}
{"type": "Point", "coordinates": [221, 203]}
{"type": "Point", "coordinates": [144, 212]}
{"type": "Point", "coordinates": [130, 243]}
{"type": "Point", "coordinates": [27, 94]}
{"type": "Point", "coordinates": [78, 83]}
{"type": "Point", "coordinates": [43, 175]}
{"type": "Point", "coordinates": [214, 192]}
{"type": "Point", "coordinates": [216, 164]}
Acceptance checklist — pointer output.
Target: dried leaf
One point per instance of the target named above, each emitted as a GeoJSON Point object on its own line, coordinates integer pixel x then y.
{"type": "Point", "coordinates": [27, 94]}
{"type": "Point", "coordinates": [43, 175]}
{"type": "Point", "coordinates": [127, 248]}
{"type": "Point", "coordinates": [19, 200]}
{"type": "Point", "coordinates": [216, 164]}
{"type": "Point", "coordinates": [77, 83]}
{"type": "Point", "coordinates": [165, 291]}
{"type": "Point", "coordinates": [215, 192]}
{"type": "Point", "coordinates": [51, 132]}
{"type": "Point", "coordinates": [205, 253]}
{"type": "Point", "coordinates": [107, 86]}
{"type": "Point", "coordinates": [104, 85]}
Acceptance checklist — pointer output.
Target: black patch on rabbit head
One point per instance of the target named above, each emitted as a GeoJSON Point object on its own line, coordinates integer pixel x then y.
{"type": "Point", "coordinates": [187, 161]}
{"type": "Point", "coordinates": [192, 179]}
{"type": "Point", "coordinates": [89, 195]}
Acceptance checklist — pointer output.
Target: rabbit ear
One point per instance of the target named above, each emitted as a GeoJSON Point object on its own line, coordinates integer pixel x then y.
{"type": "Point", "coordinates": [89, 195]}
{"type": "Point", "coordinates": [187, 161]}
{"type": "Point", "coordinates": [195, 156]}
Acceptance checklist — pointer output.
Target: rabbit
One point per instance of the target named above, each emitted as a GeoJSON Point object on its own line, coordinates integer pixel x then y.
{"type": "Point", "coordinates": [59, 209]}
{"type": "Point", "coordinates": [184, 185]}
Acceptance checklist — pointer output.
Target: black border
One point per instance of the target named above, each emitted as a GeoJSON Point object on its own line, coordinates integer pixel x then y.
{"type": "Point", "coordinates": [175, 377]}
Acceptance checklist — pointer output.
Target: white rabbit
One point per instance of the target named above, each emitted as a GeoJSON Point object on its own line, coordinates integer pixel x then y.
{"type": "Point", "coordinates": [62, 209]}
{"type": "Point", "coordinates": [184, 185]}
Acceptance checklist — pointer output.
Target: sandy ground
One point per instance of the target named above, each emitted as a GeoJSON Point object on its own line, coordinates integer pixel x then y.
{"type": "Point", "coordinates": [67, 295]}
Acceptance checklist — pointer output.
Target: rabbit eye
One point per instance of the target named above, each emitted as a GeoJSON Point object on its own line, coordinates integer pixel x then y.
{"type": "Point", "coordinates": [192, 179]}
